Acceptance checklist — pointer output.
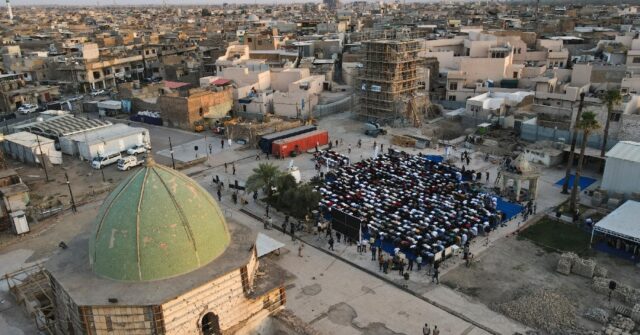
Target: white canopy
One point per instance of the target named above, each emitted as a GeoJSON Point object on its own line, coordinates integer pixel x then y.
{"type": "Point", "coordinates": [265, 244]}
{"type": "Point", "coordinates": [622, 222]}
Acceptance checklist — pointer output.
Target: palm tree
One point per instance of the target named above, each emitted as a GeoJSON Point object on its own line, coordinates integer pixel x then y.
{"type": "Point", "coordinates": [587, 124]}
{"type": "Point", "coordinates": [611, 98]}
{"type": "Point", "coordinates": [264, 177]}
{"type": "Point", "coordinates": [574, 139]}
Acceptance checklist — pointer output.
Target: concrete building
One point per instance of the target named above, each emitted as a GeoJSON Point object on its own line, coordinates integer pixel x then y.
{"type": "Point", "coordinates": [622, 170]}
{"type": "Point", "coordinates": [162, 259]}
{"type": "Point", "coordinates": [184, 110]}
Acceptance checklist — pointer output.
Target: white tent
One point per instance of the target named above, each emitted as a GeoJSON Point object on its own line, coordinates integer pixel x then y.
{"type": "Point", "coordinates": [265, 244]}
{"type": "Point", "coordinates": [622, 223]}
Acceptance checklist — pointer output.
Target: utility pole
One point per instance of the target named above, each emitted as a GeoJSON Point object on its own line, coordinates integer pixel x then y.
{"type": "Point", "coordinates": [44, 164]}
{"type": "Point", "coordinates": [73, 201]}
{"type": "Point", "coordinates": [173, 163]}
{"type": "Point", "coordinates": [102, 172]}
{"type": "Point", "coordinates": [574, 138]}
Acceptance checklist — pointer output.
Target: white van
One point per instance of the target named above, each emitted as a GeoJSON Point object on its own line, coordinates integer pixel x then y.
{"type": "Point", "coordinates": [99, 162]}
{"type": "Point", "coordinates": [125, 163]}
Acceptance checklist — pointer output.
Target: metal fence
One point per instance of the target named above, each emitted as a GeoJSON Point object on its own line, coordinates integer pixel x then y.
{"type": "Point", "coordinates": [339, 106]}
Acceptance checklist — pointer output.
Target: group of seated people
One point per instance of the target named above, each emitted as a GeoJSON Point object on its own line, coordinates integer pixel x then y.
{"type": "Point", "coordinates": [420, 206]}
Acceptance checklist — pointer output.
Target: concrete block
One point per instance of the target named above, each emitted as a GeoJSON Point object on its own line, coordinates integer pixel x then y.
{"type": "Point", "coordinates": [584, 267]}
{"type": "Point", "coordinates": [600, 271]}
{"type": "Point", "coordinates": [635, 313]}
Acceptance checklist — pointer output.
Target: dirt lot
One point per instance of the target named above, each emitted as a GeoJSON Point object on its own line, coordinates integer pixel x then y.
{"type": "Point", "coordinates": [515, 267]}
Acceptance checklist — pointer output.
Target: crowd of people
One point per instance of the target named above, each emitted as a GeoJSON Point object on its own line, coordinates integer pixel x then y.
{"type": "Point", "coordinates": [415, 205]}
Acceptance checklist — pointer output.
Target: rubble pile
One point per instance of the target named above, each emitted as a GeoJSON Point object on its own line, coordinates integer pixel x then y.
{"type": "Point", "coordinates": [583, 267]}
{"type": "Point", "coordinates": [635, 313]}
{"type": "Point", "coordinates": [566, 262]}
{"type": "Point", "coordinates": [569, 262]}
{"type": "Point", "coordinates": [620, 325]}
{"type": "Point", "coordinates": [542, 309]}
{"type": "Point", "coordinates": [601, 284]}
{"type": "Point", "coordinates": [597, 314]}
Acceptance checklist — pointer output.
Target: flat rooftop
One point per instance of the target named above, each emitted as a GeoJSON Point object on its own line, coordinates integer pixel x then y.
{"type": "Point", "coordinates": [70, 267]}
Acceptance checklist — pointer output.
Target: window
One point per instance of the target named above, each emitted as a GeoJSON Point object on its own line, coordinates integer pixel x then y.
{"type": "Point", "coordinates": [249, 39]}
{"type": "Point", "coordinates": [515, 75]}
{"type": "Point", "coordinates": [201, 112]}
{"type": "Point", "coordinates": [453, 86]}
{"type": "Point", "coordinates": [452, 98]}
{"type": "Point", "coordinates": [615, 117]}
{"type": "Point", "coordinates": [636, 60]}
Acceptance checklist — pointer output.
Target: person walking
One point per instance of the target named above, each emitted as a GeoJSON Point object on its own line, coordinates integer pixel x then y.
{"type": "Point", "coordinates": [401, 267]}
{"type": "Point", "coordinates": [426, 330]}
{"type": "Point", "coordinates": [349, 149]}
{"type": "Point", "coordinates": [267, 209]}
{"type": "Point", "coordinates": [385, 266]}
{"type": "Point", "coordinates": [410, 266]}
{"type": "Point", "coordinates": [436, 331]}
{"type": "Point", "coordinates": [338, 236]}
{"type": "Point", "coordinates": [284, 228]}
{"type": "Point", "coordinates": [331, 243]}
{"type": "Point", "coordinates": [380, 261]}
{"type": "Point", "coordinates": [219, 194]}
{"type": "Point", "coordinates": [222, 143]}
{"type": "Point", "coordinates": [300, 247]}
{"type": "Point", "coordinates": [373, 252]}
{"type": "Point", "coordinates": [419, 262]}
{"type": "Point", "coordinates": [225, 167]}
{"type": "Point", "coordinates": [375, 144]}
{"type": "Point", "coordinates": [359, 143]}
{"type": "Point", "coordinates": [233, 166]}
{"type": "Point", "coordinates": [436, 272]}
{"type": "Point", "coordinates": [255, 196]}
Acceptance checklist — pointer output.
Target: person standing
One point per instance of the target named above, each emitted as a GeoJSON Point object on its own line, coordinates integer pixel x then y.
{"type": "Point", "coordinates": [284, 228]}
{"type": "Point", "coordinates": [436, 272]}
{"type": "Point", "coordinates": [338, 236]}
{"type": "Point", "coordinates": [401, 267]}
{"type": "Point", "coordinates": [210, 149]}
{"type": "Point", "coordinates": [300, 249]}
{"type": "Point", "coordinates": [219, 194]}
{"type": "Point", "coordinates": [331, 243]}
{"type": "Point", "coordinates": [267, 209]}
{"type": "Point", "coordinates": [410, 266]}
{"type": "Point", "coordinates": [225, 167]}
{"type": "Point", "coordinates": [380, 261]}
{"type": "Point", "coordinates": [292, 230]}
{"type": "Point", "coordinates": [373, 252]}
{"type": "Point", "coordinates": [487, 175]}
{"type": "Point", "coordinates": [426, 330]}
{"type": "Point", "coordinates": [419, 262]}
{"type": "Point", "coordinates": [349, 149]}
{"type": "Point", "coordinates": [255, 196]}
{"type": "Point", "coordinates": [436, 331]}
{"type": "Point", "coordinates": [233, 166]}
{"type": "Point", "coordinates": [222, 143]}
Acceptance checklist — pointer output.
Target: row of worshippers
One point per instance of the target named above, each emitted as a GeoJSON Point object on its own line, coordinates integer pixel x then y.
{"type": "Point", "coordinates": [418, 205]}
{"type": "Point", "coordinates": [330, 159]}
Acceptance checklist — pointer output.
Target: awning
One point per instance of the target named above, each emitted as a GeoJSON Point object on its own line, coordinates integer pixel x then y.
{"type": "Point", "coordinates": [622, 222]}
{"type": "Point", "coordinates": [221, 81]}
{"type": "Point", "coordinates": [266, 245]}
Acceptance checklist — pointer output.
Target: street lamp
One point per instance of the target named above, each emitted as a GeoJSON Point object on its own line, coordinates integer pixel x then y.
{"type": "Point", "coordinates": [73, 202]}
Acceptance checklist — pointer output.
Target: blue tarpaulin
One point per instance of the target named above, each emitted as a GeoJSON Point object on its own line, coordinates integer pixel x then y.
{"type": "Point", "coordinates": [583, 183]}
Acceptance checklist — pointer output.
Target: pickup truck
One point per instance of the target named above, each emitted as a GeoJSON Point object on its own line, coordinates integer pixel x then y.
{"type": "Point", "coordinates": [126, 163]}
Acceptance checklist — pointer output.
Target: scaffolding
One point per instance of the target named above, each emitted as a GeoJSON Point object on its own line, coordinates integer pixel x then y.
{"type": "Point", "coordinates": [388, 76]}
{"type": "Point", "coordinates": [32, 290]}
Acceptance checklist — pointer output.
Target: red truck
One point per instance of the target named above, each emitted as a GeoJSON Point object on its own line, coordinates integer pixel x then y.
{"type": "Point", "coordinates": [295, 145]}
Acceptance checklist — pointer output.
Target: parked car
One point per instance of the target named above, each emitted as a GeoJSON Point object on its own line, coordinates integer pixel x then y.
{"type": "Point", "coordinates": [99, 162]}
{"type": "Point", "coordinates": [27, 108]}
{"type": "Point", "coordinates": [96, 93]}
{"type": "Point", "coordinates": [138, 149]}
{"type": "Point", "coordinates": [126, 163]}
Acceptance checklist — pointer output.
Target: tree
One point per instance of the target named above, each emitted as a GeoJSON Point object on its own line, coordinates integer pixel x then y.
{"type": "Point", "coordinates": [611, 98]}
{"type": "Point", "coordinates": [264, 177]}
{"type": "Point", "coordinates": [588, 124]}
{"type": "Point", "coordinates": [574, 139]}
{"type": "Point", "coordinates": [205, 12]}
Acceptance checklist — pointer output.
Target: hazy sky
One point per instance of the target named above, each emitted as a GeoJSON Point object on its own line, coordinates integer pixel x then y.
{"type": "Point", "coordinates": [138, 2]}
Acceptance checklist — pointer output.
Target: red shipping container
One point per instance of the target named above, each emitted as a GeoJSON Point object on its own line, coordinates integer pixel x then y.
{"type": "Point", "coordinates": [299, 143]}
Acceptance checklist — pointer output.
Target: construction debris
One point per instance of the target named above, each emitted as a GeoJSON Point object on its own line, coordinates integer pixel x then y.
{"type": "Point", "coordinates": [583, 267]}
{"type": "Point", "coordinates": [597, 314]}
{"type": "Point", "coordinates": [620, 325]}
{"type": "Point", "coordinates": [542, 309]}
{"type": "Point", "coordinates": [566, 262]}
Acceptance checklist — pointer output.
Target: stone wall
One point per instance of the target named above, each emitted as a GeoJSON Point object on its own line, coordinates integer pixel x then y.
{"type": "Point", "coordinates": [182, 112]}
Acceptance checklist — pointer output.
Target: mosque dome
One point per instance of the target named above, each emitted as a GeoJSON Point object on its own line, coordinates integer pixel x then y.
{"type": "Point", "coordinates": [158, 223]}
{"type": "Point", "coordinates": [253, 18]}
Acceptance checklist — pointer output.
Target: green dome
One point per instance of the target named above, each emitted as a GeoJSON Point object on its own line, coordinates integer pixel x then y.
{"type": "Point", "coordinates": [158, 223]}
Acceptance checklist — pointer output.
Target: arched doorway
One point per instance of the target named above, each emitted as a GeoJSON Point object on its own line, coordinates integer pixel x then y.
{"type": "Point", "coordinates": [210, 324]}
